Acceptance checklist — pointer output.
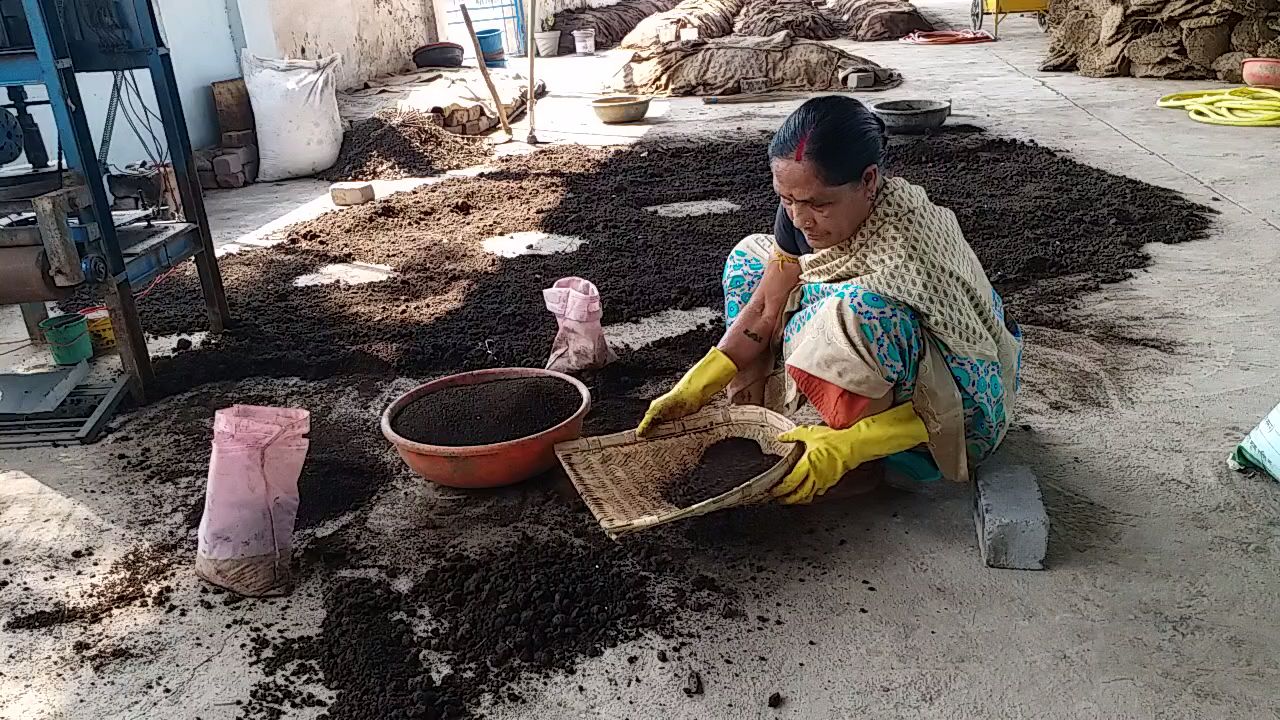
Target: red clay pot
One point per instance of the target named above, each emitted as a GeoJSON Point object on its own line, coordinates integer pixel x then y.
{"type": "Point", "coordinates": [1261, 72]}
{"type": "Point", "coordinates": [485, 466]}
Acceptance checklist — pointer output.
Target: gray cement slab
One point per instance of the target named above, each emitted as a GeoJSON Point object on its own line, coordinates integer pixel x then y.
{"type": "Point", "coordinates": [1164, 587]}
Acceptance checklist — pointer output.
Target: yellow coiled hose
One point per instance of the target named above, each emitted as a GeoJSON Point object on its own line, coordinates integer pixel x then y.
{"type": "Point", "coordinates": [1241, 107]}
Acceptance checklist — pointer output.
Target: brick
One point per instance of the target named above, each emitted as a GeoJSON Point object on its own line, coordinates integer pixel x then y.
{"type": "Point", "coordinates": [227, 164]}
{"type": "Point", "coordinates": [860, 80]}
{"type": "Point", "coordinates": [251, 171]}
{"type": "Point", "coordinates": [208, 179]}
{"type": "Point", "coordinates": [351, 193]}
{"type": "Point", "coordinates": [456, 117]}
{"type": "Point", "coordinates": [246, 154]}
{"type": "Point", "coordinates": [1013, 528]}
{"type": "Point", "coordinates": [233, 180]}
{"type": "Point", "coordinates": [455, 129]}
{"type": "Point", "coordinates": [473, 127]}
{"type": "Point", "coordinates": [203, 159]}
{"type": "Point", "coordinates": [239, 138]}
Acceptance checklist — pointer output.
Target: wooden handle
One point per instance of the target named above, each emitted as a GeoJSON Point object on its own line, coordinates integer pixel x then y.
{"type": "Point", "coordinates": [484, 71]}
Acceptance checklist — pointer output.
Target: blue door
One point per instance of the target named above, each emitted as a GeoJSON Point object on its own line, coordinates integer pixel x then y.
{"type": "Point", "coordinates": [504, 15]}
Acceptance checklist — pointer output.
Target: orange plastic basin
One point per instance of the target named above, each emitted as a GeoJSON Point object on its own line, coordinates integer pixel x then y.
{"type": "Point", "coordinates": [485, 466]}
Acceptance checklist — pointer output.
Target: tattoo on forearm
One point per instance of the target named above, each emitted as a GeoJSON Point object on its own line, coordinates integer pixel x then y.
{"type": "Point", "coordinates": [752, 335]}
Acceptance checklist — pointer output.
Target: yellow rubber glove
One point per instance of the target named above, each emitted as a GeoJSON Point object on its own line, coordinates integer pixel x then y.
{"type": "Point", "coordinates": [711, 375]}
{"type": "Point", "coordinates": [829, 454]}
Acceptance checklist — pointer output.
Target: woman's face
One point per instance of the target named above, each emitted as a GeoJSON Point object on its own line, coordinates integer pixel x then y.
{"type": "Point", "coordinates": [827, 215]}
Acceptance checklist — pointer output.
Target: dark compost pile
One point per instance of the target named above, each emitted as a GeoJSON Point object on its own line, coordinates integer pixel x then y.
{"type": "Point", "coordinates": [396, 144]}
{"type": "Point", "coordinates": [723, 466]}
{"type": "Point", "coordinates": [1045, 227]}
{"type": "Point", "coordinates": [486, 413]}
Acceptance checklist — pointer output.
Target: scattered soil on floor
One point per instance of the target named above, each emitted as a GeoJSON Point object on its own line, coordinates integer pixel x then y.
{"type": "Point", "coordinates": [134, 579]}
{"type": "Point", "coordinates": [1044, 226]}
{"type": "Point", "coordinates": [487, 413]}
{"type": "Point", "coordinates": [1053, 229]}
{"type": "Point", "coordinates": [724, 466]}
{"type": "Point", "coordinates": [395, 144]}
{"type": "Point", "coordinates": [474, 623]}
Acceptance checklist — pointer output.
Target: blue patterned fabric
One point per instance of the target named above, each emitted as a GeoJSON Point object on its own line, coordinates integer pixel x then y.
{"type": "Point", "coordinates": [894, 331]}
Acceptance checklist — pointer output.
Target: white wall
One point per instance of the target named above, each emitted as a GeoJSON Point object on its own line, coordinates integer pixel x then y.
{"type": "Point", "coordinates": [374, 37]}
{"type": "Point", "coordinates": [199, 37]}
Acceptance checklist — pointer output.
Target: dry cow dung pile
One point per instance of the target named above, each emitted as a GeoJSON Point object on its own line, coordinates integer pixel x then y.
{"type": "Point", "coordinates": [711, 18]}
{"type": "Point", "coordinates": [1161, 38]}
{"type": "Point", "coordinates": [396, 144]}
{"type": "Point", "coordinates": [611, 23]}
{"type": "Point", "coordinates": [868, 20]}
{"type": "Point", "coordinates": [799, 17]}
{"type": "Point", "coordinates": [718, 67]}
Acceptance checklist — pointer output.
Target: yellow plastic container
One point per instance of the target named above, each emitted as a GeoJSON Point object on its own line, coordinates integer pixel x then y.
{"type": "Point", "coordinates": [101, 334]}
{"type": "Point", "coordinates": [1002, 7]}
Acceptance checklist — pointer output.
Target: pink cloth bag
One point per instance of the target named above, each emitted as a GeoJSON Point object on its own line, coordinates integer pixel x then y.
{"type": "Point", "coordinates": [580, 344]}
{"type": "Point", "coordinates": [251, 499]}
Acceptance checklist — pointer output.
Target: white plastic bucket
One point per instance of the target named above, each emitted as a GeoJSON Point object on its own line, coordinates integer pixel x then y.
{"type": "Point", "coordinates": [584, 41]}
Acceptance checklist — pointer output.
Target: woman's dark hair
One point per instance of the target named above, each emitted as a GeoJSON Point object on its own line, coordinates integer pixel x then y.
{"type": "Point", "coordinates": [839, 135]}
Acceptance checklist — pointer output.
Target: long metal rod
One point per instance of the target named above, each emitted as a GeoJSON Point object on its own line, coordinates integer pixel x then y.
{"type": "Point", "coordinates": [531, 26]}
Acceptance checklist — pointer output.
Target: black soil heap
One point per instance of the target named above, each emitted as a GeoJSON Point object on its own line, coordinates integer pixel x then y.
{"type": "Point", "coordinates": [396, 144]}
{"type": "Point", "coordinates": [486, 413]}
{"type": "Point", "coordinates": [1045, 227]}
{"type": "Point", "coordinates": [723, 466]}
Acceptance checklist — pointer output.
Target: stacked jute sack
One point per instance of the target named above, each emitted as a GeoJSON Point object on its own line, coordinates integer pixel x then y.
{"type": "Point", "coordinates": [869, 20]}
{"type": "Point", "coordinates": [611, 23]}
{"type": "Point", "coordinates": [762, 18]}
{"type": "Point", "coordinates": [1161, 38]}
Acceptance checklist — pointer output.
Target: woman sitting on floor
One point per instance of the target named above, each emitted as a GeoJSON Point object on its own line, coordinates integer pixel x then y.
{"type": "Point", "coordinates": [866, 301]}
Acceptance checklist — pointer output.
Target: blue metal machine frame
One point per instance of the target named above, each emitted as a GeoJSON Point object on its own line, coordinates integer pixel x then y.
{"type": "Point", "coordinates": [53, 61]}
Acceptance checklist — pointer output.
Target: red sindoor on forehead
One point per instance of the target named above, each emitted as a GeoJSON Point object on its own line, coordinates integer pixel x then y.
{"type": "Point", "coordinates": [804, 139]}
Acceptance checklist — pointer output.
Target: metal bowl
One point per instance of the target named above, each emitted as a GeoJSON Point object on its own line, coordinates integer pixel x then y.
{"type": "Point", "coordinates": [620, 108]}
{"type": "Point", "coordinates": [485, 466]}
{"type": "Point", "coordinates": [904, 117]}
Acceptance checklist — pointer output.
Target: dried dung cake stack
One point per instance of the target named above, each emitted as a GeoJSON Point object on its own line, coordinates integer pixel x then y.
{"type": "Point", "coordinates": [1161, 38]}
{"type": "Point", "coordinates": [799, 17]}
{"type": "Point", "coordinates": [611, 23]}
{"type": "Point", "coordinates": [397, 144]}
{"type": "Point", "coordinates": [711, 18]}
{"type": "Point", "coordinates": [879, 19]}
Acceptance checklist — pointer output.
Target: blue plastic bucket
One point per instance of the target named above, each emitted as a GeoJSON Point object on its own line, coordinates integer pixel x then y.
{"type": "Point", "coordinates": [491, 46]}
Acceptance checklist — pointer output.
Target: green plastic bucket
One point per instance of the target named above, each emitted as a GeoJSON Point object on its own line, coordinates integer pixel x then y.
{"type": "Point", "coordinates": [68, 338]}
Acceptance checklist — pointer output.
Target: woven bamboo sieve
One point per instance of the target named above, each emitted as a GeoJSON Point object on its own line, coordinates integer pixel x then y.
{"type": "Point", "coordinates": [621, 477]}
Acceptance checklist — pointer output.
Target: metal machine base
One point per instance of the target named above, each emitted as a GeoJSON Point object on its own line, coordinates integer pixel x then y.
{"type": "Point", "coordinates": [80, 419]}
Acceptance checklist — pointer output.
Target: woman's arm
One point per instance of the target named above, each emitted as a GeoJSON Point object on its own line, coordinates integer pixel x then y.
{"type": "Point", "coordinates": [751, 332]}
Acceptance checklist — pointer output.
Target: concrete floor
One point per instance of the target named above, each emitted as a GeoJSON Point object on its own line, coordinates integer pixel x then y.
{"type": "Point", "coordinates": [1162, 600]}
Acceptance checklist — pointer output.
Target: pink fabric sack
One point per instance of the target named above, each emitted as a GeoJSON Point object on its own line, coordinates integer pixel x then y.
{"type": "Point", "coordinates": [580, 343]}
{"type": "Point", "coordinates": [251, 499]}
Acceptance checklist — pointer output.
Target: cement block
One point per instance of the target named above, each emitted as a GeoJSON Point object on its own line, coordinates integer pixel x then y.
{"type": "Point", "coordinates": [232, 180]}
{"type": "Point", "coordinates": [473, 127]}
{"type": "Point", "coordinates": [351, 193]}
{"type": "Point", "coordinates": [251, 171]}
{"type": "Point", "coordinates": [1013, 528]}
{"type": "Point", "coordinates": [246, 153]}
{"type": "Point", "coordinates": [203, 160]}
{"type": "Point", "coordinates": [208, 179]}
{"type": "Point", "coordinates": [227, 164]}
{"type": "Point", "coordinates": [239, 138]}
